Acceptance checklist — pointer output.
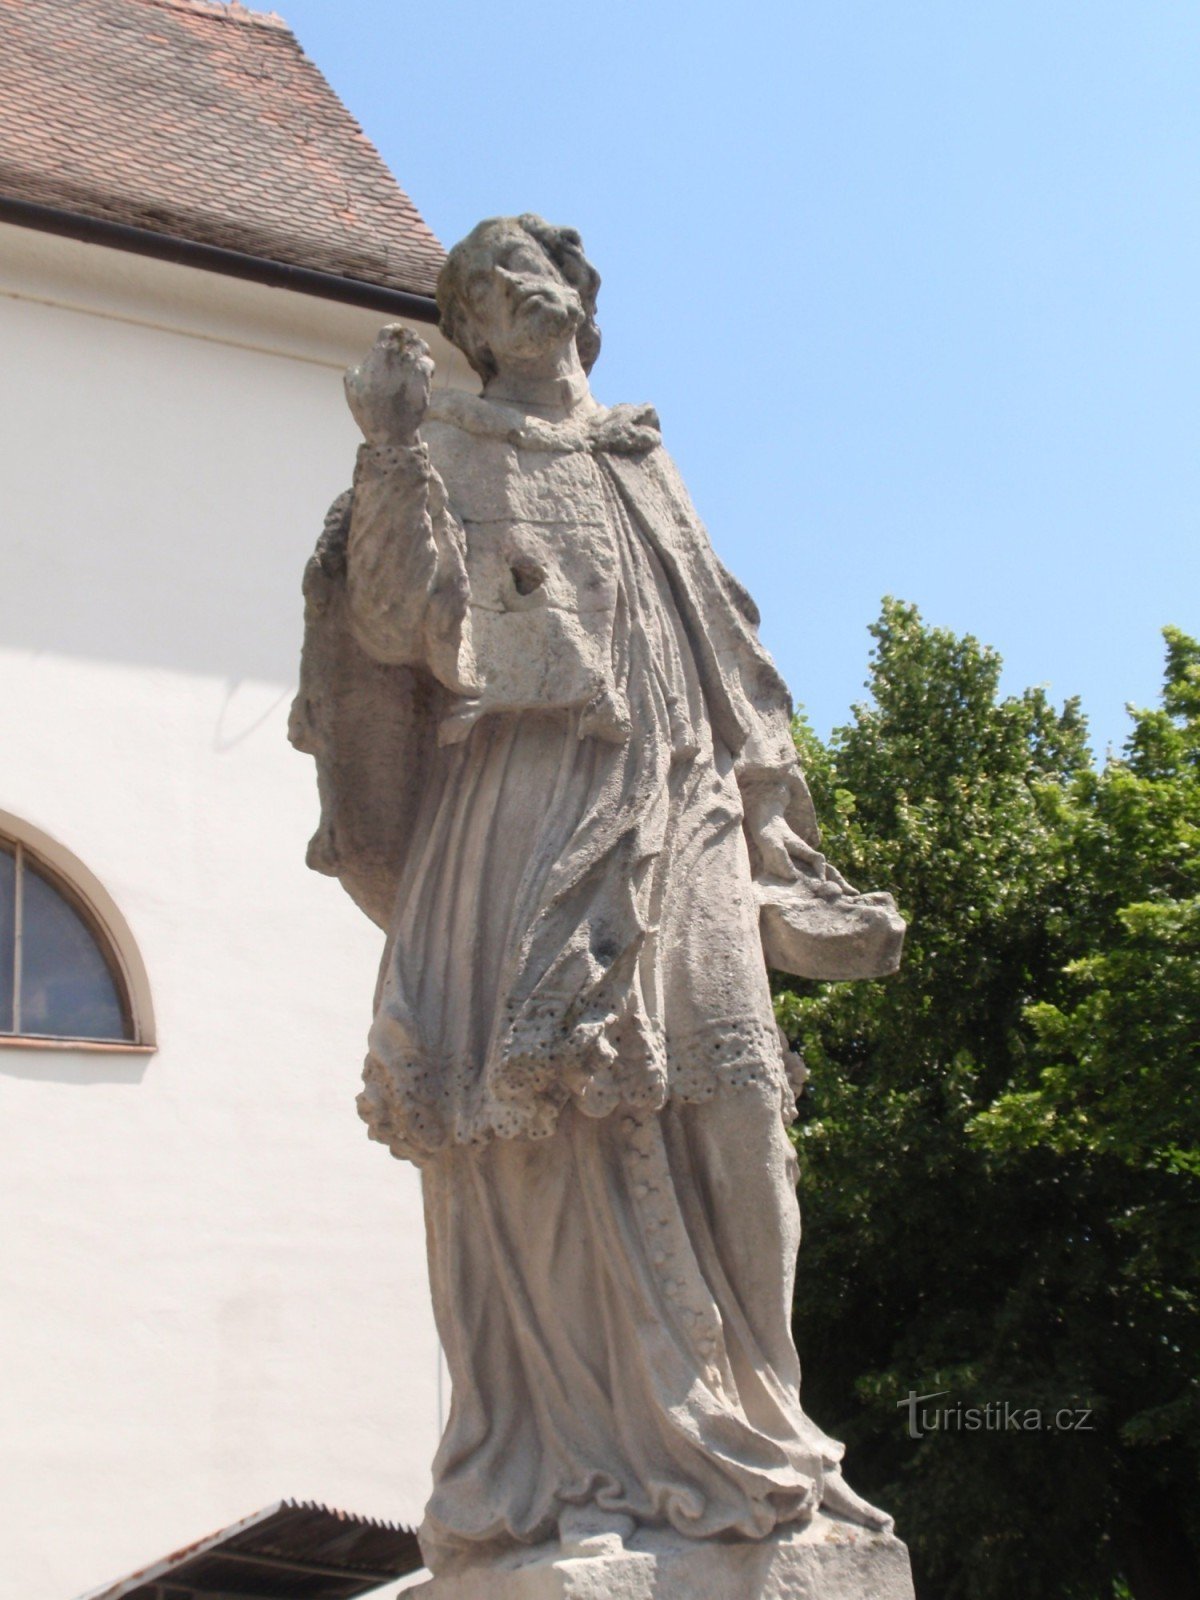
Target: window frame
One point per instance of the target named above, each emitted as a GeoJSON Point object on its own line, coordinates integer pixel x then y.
{"type": "Point", "coordinates": [87, 896]}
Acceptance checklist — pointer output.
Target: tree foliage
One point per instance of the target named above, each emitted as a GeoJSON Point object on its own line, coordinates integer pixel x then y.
{"type": "Point", "coordinates": [1000, 1146]}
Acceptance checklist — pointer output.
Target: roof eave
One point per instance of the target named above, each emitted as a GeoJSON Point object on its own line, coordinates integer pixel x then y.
{"type": "Point", "coordinates": [212, 258]}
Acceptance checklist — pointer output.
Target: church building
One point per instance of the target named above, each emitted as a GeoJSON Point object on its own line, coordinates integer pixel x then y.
{"type": "Point", "coordinates": [213, 1288]}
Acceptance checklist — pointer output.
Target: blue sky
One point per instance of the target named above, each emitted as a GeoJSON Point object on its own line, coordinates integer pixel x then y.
{"type": "Point", "coordinates": [914, 286]}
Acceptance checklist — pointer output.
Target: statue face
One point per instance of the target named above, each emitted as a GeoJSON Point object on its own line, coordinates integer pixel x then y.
{"type": "Point", "coordinates": [524, 309]}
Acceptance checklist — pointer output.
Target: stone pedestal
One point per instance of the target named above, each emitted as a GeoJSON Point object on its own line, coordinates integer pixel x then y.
{"type": "Point", "coordinates": [827, 1560]}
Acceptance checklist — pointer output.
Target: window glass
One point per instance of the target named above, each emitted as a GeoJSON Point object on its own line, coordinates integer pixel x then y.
{"type": "Point", "coordinates": [8, 915]}
{"type": "Point", "coordinates": [67, 988]}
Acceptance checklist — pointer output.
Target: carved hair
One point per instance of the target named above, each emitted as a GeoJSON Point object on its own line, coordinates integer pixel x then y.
{"type": "Point", "coordinates": [562, 247]}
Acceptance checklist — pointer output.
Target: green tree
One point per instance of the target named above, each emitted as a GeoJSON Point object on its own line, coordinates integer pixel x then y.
{"type": "Point", "coordinates": [1118, 1074]}
{"type": "Point", "coordinates": [974, 1224]}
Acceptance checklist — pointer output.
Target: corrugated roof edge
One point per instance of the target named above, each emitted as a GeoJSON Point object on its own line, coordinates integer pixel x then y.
{"type": "Point", "coordinates": [164, 1567]}
{"type": "Point", "coordinates": [157, 1569]}
{"type": "Point", "coordinates": [212, 258]}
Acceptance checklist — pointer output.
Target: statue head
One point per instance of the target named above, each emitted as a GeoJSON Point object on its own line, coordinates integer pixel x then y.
{"type": "Point", "coordinates": [518, 289]}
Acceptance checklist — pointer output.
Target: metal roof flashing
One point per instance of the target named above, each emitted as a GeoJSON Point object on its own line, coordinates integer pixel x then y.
{"type": "Point", "coordinates": [292, 1550]}
{"type": "Point", "coordinates": [212, 258]}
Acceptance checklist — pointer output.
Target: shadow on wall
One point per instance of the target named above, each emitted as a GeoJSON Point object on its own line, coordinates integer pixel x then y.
{"type": "Point", "coordinates": [162, 494]}
{"type": "Point", "coordinates": [61, 1064]}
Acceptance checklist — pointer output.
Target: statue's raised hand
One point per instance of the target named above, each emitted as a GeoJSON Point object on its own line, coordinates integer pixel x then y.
{"type": "Point", "coordinates": [388, 392]}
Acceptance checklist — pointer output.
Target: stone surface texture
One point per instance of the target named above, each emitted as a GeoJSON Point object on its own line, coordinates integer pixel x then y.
{"type": "Point", "coordinates": [824, 1560]}
{"type": "Point", "coordinates": [556, 766]}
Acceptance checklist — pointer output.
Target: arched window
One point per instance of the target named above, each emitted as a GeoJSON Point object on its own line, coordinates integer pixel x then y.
{"type": "Point", "coordinates": [69, 970]}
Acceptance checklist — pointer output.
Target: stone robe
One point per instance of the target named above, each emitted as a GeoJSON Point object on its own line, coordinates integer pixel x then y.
{"type": "Point", "coordinates": [573, 1033]}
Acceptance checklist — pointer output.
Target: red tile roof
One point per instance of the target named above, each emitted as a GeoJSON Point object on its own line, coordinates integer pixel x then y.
{"type": "Point", "coordinates": [201, 121]}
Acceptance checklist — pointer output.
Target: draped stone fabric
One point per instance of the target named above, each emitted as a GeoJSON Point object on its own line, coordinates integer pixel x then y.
{"type": "Point", "coordinates": [595, 886]}
{"type": "Point", "coordinates": [632, 1348]}
{"type": "Point", "coordinates": [522, 649]}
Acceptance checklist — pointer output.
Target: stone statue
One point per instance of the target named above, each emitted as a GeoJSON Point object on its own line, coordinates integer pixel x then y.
{"type": "Point", "coordinates": [556, 766]}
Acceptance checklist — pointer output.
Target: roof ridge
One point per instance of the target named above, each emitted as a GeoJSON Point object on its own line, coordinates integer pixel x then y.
{"type": "Point", "coordinates": [226, 11]}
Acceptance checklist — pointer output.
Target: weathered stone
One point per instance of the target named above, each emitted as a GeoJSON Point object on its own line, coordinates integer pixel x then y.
{"type": "Point", "coordinates": [844, 936]}
{"type": "Point", "coordinates": [827, 1560]}
{"type": "Point", "coordinates": [556, 764]}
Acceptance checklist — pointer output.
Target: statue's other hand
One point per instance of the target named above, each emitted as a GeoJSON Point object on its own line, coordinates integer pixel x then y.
{"type": "Point", "coordinates": [388, 392]}
{"type": "Point", "coordinates": [781, 852]}
{"type": "Point", "coordinates": [780, 849]}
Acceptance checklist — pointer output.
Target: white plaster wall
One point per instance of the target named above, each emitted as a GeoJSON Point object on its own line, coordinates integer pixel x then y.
{"type": "Point", "coordinates": [212, 1288]}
